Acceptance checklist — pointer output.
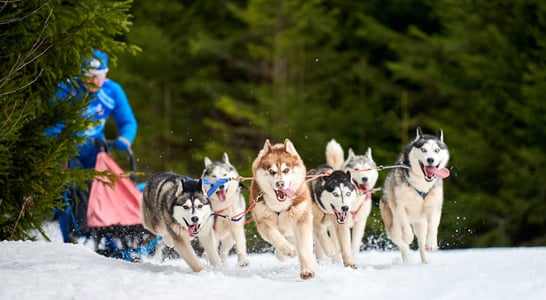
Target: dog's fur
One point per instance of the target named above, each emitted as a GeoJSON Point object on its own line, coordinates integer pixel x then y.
{"type": "Point", "coordinates": [283, 203]}
{"type": "Point", "coordinates": [333, 194]}
{"type": "Point", "coordinates": [412, 198]}
{"type": "Point", "coordinates": [364, 175]}
{"type": "Point", "coordinates": [177, 209]}
{"type": "Point", "coordinates": [227, 201]}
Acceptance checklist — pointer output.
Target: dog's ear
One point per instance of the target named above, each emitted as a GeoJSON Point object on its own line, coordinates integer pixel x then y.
{"type": "Point", "coordinates": [225, 158]}
{"type": "Point", "coordinates": [349, 175]}
{"type": "Point", "coordinates": [350, 153]}
{"type": "Point", "coordinates": [369, 153]}
{"type": "Point", "coordinates": [179, 188]}
{"type": "Point", "coordinates": [208, 162]}
{"type": "Point", "coordinates": [266, 149]}
{"type": "Point", "coordinates": [267, 146]}
{"type": "Point", "coordinates": [440, 135]}
{"type": "Point", "coordinates": [419, 134]}
{"type": "Point", "coordinates": [289, 147]}
{"type": "Point", "coordinates": [200, 186]}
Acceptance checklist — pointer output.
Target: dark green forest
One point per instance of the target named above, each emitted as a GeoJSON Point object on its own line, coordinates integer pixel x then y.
{"type": "Point", "coordinates": [207, 77]}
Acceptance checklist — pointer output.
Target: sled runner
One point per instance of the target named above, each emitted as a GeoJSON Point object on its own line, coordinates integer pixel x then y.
{"type": "Point", "coordinates": [107, 216]}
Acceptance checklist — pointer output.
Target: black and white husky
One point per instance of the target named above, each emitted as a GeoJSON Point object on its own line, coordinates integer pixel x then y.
{"type": "Point", "coordinates": [413, 196]}
{"type": "Point", "coordinates": [364, 176]}
{"type": "Point", "coordinates": [176, 208]}
{"type": "Point", "coordinates": [333, 194]}
{"type": "Point", "coordinates": [227, 203]}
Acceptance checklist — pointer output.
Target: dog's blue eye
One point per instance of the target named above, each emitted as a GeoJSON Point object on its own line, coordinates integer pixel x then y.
{"type": "Point", "coordinates": [437, 150]}
{"type": "Point", "coordinates": [423, 150]}
{"type": "Point", "coordinates": [349, 194]}
{"type": "Point", "coordinates": [335, 194]}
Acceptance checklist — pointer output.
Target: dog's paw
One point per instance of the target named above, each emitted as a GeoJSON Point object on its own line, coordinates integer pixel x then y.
{"type": "Point", "coordinates": [307, 274]}
{"type": "Point", "coordinates": [285, 251]}
{"type": "Point", "coordinates": [244, 263]}
{"type": "Point", "coordinates": [351, 265]}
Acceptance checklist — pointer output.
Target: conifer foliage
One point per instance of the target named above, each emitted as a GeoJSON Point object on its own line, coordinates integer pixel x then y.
{"type": "Point", "coordinates": [41, 44]}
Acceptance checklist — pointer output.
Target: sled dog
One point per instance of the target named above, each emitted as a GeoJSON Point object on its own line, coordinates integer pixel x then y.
{"type": "Point", "coordinates": [283, 205]}
{"type": "Point", "coordinates": [227, 201]}
{"type": "Point", "coordinates": [413, 196]}
{"type": "Point", "coordinates": [176, 208]}
{"type": "Point", "coordinates": [364, 175]}
{"type": "Point", "coordinates": [333, 194]}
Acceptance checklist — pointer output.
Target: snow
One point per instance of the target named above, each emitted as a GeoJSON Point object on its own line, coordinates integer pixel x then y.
{"type": "Point", "coordinates": [52, 270]}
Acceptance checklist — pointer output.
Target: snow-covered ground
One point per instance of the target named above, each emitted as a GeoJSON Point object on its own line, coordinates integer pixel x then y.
{"type": "Point", "coordinates": [50, 270]}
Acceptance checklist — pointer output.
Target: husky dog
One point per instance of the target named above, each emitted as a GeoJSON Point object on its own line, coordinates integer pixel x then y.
{"type": "Point", "coordinates": [177, 209]}
{"type": "Point", "coordinates": [283, 203]}
{"type": "Point", "coordinates": [333, 193]}
{"type": "Point", "coordinates": [227, 201]}
{"type": "Point", "coordinates": [364, 175]}
{"type": "Point", "coordinates": [413, 196]}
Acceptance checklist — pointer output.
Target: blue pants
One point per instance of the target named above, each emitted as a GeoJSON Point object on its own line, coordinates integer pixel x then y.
{"type": "Point", "coordinates": [88, 154]}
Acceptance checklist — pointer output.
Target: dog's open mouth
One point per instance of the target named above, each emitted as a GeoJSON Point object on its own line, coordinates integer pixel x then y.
{"type": "Point", "coordinates": [282, 195]}
{"type": "Point", "coordinates": [433, 171]}
{"type": "Point", "coordinates": [221, 193]}
{"type": "Point", "coordinates": [363, 188]}
{"type": "Point", "coordinates": [341, 216]}
{"type": "Point", "coordinates": [193, 229]}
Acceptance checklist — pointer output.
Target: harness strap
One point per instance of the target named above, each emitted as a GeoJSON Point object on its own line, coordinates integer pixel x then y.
{"type": "Point", "coordinates": [214, 185]}
{"type": "Point", "coordinates": [238, 217]}
{"type": "Point", "coordinates": [217, 212]}
{"type": "Point", "coordinates": [354, 212]}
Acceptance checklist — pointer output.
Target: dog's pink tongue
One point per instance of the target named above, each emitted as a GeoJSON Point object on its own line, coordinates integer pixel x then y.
{"type": "Point", "coordinates": [282, 195]}
{"type": "Point", "coordinates": [289, 193]}
{"type": "Point", "coordinates": [192, 229]}
{"type": "Point", "coordinates": [221, 195]}
{"type": "Point", "coordinates": [441, 173]}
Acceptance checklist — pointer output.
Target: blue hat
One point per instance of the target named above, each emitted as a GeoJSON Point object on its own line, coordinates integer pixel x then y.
{"type": "Point", "coordinates": [97, 65]}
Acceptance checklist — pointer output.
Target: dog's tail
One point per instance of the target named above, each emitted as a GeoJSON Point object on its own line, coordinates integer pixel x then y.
{"type": "Point", "coordinates": [334, 154]}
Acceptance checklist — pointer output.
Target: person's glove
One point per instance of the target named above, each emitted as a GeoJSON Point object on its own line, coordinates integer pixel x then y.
{"type": "Point", "coordinates": [122, 143]}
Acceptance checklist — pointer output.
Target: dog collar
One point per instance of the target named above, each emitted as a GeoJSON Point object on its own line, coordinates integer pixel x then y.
{"type": "Point", "coordinates": [421, 193]}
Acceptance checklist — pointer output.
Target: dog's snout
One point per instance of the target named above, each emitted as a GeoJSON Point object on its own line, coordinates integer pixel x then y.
{"type": "Point", "coordinates": [195, 219]}
{"type": "Point", "coordinates": [345, 208]}
{"type": "Point", "coordinates": [280, 184]}
{"type": "Point", "coordinates": [430, 160]}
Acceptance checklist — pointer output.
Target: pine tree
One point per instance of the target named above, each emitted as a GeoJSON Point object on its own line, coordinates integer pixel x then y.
{"type": "Point", "coordinates": [43, 43]}
{"type": "Point", "coordinates": [480, 79]}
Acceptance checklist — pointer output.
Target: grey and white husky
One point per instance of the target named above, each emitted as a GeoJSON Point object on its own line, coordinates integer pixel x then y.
{"type": "Point", "coordinates": [364, 175]}
{"type": "Point", "coordinates": [413, 196]}
{"type": "Point", "coordinates": [227, 202]}
{"type": "Point", "coordinates": [333, 194]}
{"type": "Point", "coordinates": [176, 208]}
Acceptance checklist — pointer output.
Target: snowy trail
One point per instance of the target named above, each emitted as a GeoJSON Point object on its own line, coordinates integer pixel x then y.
{"type": "Point", "coordinates": [43, 270]}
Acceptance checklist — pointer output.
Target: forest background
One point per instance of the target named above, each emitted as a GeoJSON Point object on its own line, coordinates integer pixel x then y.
{"type": "Point", "coordinates": [207, 77]}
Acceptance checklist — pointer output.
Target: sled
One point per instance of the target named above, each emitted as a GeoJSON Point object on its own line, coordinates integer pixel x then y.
{"type": "Point", "coordinates": [106, 215]}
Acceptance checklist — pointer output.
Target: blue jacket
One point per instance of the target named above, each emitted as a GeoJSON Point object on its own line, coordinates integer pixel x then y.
{"type": "Point", "coordinates": [109, 100]}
